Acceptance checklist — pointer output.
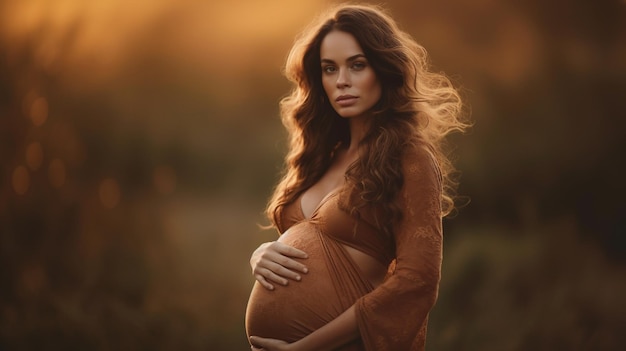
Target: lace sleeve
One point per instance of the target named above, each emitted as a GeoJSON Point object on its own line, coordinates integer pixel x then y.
{"type": "Point", "coordinates": [394, 316]}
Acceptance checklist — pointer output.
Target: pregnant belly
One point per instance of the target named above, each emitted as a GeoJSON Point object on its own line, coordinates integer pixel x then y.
{"type": "Point", "coordinates": [291, 312]}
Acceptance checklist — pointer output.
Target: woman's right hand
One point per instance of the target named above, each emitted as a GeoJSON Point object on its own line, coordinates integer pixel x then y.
{"type": "Point", "coordinates": [273, 262]}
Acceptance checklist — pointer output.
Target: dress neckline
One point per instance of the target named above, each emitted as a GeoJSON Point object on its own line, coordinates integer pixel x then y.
{"type": "Point", "coordinates": [320, 204]}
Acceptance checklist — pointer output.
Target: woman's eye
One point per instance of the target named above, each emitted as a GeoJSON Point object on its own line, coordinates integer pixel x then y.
{"type": "Point", "coordinates": [358, 65]}
{"type": "Point", "coordinates": [328, 69]}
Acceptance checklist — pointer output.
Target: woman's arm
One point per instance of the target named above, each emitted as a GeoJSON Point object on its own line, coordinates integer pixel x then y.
{"type": "Point", "coordinates": [393, 316]}
{"type": "Point", "coordinates": [335, 333]}
{"type": "Point", "coordinates": [273, 262]}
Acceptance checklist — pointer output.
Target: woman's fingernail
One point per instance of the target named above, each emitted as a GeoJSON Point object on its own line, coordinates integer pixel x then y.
{"type": "Point", "coordinates": [298, 278]}
{"type": "Point", "coordinates": [305, 270]}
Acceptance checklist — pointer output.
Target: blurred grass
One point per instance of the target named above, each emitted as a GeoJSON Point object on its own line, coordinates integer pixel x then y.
{"type": "Point", "coordinates": [541, 288]}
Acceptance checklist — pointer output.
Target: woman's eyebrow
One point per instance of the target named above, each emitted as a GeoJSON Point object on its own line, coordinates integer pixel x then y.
{"type": "Point", "coordinates": [351, 58]}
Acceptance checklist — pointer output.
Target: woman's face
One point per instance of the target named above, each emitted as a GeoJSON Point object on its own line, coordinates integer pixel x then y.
{"type": "Point", "coordinates": [348, 79]}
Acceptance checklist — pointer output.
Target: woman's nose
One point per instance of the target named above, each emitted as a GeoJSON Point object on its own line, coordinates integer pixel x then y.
{"type": "Point", "coordinates": [343, 79]}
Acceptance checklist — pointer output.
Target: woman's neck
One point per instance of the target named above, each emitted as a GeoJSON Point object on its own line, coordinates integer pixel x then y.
{"type": "Point", "coordinates": [358, 129]}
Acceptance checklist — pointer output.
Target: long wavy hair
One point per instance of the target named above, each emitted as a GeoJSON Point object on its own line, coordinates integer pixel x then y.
{"type": "Point", "coordinates": [417, 106]}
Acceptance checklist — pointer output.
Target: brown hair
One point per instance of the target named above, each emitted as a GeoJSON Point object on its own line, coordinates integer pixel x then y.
{"type": "Point", "coordinates": [416, 106]}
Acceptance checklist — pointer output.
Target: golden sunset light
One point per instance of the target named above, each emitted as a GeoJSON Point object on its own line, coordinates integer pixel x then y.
{"type": "Point", "coordinates": [140, 141]}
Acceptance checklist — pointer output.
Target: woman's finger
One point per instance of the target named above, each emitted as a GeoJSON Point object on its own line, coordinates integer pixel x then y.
{"type": "Point", "coordinates": [290, 263]}
{"type": "Point", "coordinates": [261, 279]}
{"type": "Point", "coordinates": [267, 343]}
{"type": "Point", "coordinates": [256, 342]}
{"type": "Point", "coordinates": [283, 272]}
{"type": "Point", "coordinates": [279, 253]}
{"type": "Point", "coordinates": [264, 274]}
{"type": "Point", "coordinates": [289, 250]}
{"type": "Point", "coordinates": [281, 265]}
{"type": "Point", "coordinates": [271, 276]}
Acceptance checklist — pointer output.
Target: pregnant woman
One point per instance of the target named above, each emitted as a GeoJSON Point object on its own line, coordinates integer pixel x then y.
{"type": "Point", "coordinates": [359, 208]}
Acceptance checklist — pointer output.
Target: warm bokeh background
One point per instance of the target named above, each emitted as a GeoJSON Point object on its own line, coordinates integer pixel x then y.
{"type": "Point", "coordinates": [140, 139]}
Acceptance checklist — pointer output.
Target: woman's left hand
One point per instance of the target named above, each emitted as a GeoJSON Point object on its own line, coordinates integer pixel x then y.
{"type": "Point", "coordinates": [266, 344]}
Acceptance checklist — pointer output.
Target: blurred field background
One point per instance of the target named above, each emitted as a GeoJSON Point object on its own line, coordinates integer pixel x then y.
{"type": "Point", "coordinates": [140, 140]}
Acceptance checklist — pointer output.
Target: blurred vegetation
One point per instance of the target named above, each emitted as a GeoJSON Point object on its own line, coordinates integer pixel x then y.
{"type": "Point", "coordinates": [139, 142]}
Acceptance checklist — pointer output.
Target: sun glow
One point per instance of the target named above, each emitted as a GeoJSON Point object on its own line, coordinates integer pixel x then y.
{"type": "Point", "coordinates": [73, 36]}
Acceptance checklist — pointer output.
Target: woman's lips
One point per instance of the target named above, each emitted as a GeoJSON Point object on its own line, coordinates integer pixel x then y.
{"type": "Point", "coordinates": [346, 100]}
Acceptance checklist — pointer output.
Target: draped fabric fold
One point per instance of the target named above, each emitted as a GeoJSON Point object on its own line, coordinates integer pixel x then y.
{"type": "Point", "coordinates": [348, 280]}
{"type": "Point", "coordinates": [334, 284]}
{"type": "Point", "coordinates": [393, 315]}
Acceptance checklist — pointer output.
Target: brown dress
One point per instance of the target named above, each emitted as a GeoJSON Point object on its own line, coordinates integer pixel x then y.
{"type": "Point", "coordinates": [392, 316]}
